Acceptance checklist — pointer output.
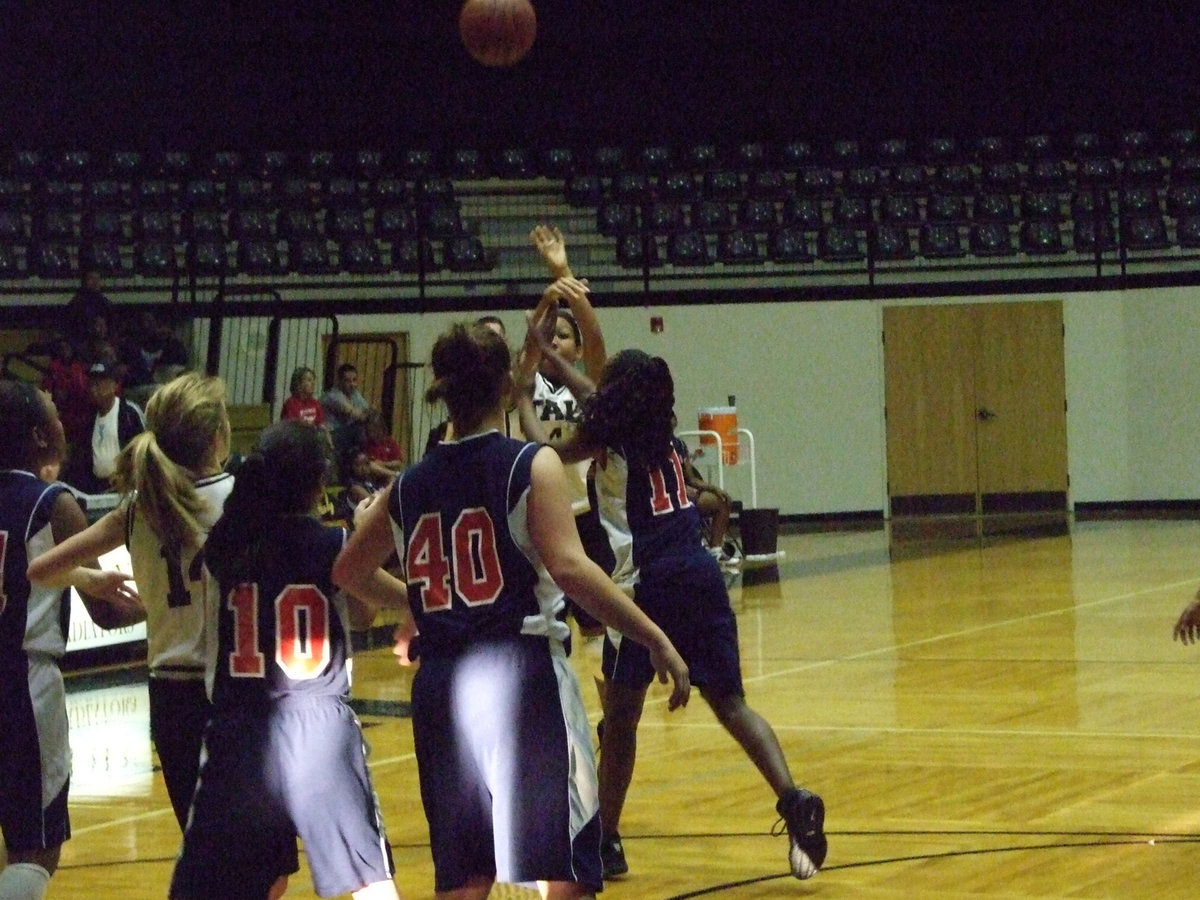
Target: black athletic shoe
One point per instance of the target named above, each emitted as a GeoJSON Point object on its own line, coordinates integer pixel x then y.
{"type": "Point", "coordinates": [612, 857]}
{"type": "Point", "coordinates": [804, 813]}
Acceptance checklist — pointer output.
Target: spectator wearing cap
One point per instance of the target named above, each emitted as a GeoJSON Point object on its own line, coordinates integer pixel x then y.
{"type": "Point", "coordinates": [114, 424]}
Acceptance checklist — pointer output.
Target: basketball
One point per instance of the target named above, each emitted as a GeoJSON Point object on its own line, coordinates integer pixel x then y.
{"type": "Point", "coordinates": [497, 32]}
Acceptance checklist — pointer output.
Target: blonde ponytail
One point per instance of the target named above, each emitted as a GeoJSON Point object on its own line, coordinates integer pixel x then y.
{"type": "Point", "coordinates": [185, 421]}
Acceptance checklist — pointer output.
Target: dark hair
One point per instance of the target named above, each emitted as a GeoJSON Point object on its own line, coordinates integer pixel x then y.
{"type": "Point", "coordinates": [280, 478]}
{"type": "Point", "coordinates": [21, 411]}
{"type": "Point", "coordinates": [298, 375]}
{"type": "Point", "coordinates": [470, 369]}
{"type": "Point", "coordinates": [632, 407]}
{"type": "Point", "coordinates": [346, 367]}
{"type": "Point", "coordinates": [492, 320]}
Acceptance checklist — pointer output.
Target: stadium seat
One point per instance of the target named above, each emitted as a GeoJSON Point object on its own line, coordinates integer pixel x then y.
{"type": "Point", "coordinates": [208, 256]}
{"type": "Point", "coordinates": [396, 222]}
{"type": "Point", "coordinates": [106, 193]}
{"type": "Point", "coordinates": [946, 208]}
{"type": "Point", "coordinates": [803, 212]}
{"type": "Point", "coordinates": [13, 194]}
{"type": "Point", "coordinates": [656, 159]}
{"type": "Point", "coordinates": [737, 248]}
{"type": "Point", "coordinates": [608, 159]}
{"type": "Point", "coordinates": [259, 257]}
{"type": "Point", "coordinates": [941, 240]}
{"type": "Point", "coordinates": [156, 193]}
{"type": "Point", "coordinates": [900, 209]}
{"type": "Point", "coordinates": [155, 259]}
{"type": "Point", "coordinates": [703, 157]}
{"type": "Point", "coordinates": [361, 256]}
{"type": "Point", "coordinates": [466, 253]}
{"type": "Point", "coordinates": [56, 225]}
{"type": "Point", "coordinates": [311, 256]}
{"type": "Point", "coordinates": [909, 179]}
{"type": "Point", "coordinates": [442, 220]}
{"type": "Point", "coordinates": [1146, 231]}
{"type": "Point", "coordinates": [224, 164]}
{"type": "Point", "coordinates": [12, 227]}
{"type": "Point", "coordinates": [818, 181]}
{"type": "Point", "coordinates": [104, 223]}
{"type": "Point", "coordinates": [893, 242]}
{"type": "Point", "coordinates": [389, 191]}
{"type": "Point", "coordinates": [1041, 237]}
{"type": "Point", "coordinates": [635, 251]}
{"type": "Point", "coordinates": [204, 224]}
{"type": "Point", "coordinates": [557, 162]}
{"type": "Point", "coordinates": [723, 184]}
{"type": "Point", "coordinates": [712, 215]}
{"type": "Point", "coordinates": [679, 187]}
{"type": "Point", "coordinates": [153, 225]}
{"type": "Point", "coordinates": [1183, 200]}
{"type": "Point", "coordinates": [839, 243]}
{"type": "Point", "coordinates": [613, 218]}
{"type": "Point", "coordinates": [1046, 206]}
{"type": "Point", "coordinates": [584, 189]}
{"type": "Point", "coordinates": [1002, 176]}
{"type": "Point", "coordinates": [688, 248]}
{"type": "Point", "coordinates": [272, 164]}
{"type": "Point", "coordinates": [665, 217]}
{"type": "Point", "coordinates": [413, 255]}
{"type": "Point", "coordinates": [105, 257]}
{"type": "Point", "coordinates": [466, 163]}
{"type": "Point", "coordinates": [515, 163]}
{"type": "Point", "coordinates": [14, 262]}
{"type": "Point", "coordinates": [789, 245]}
{"type": "Point", "coordinates": [204, 193]}
{"type": "Point", "coordinates": [1187, 231]}
{"type": "Point", "coordinates": [995, 207]}
{"type": "Point", "coordinates": [767, 184]}
{"type": "Point", "coordinates": [252, 225]}
{"type": "Point", "coordinates": [346, 222]}
{"type": "Point", "coordinates": [299, 224]}
{"type": "Point", "coordinates": [54, 260]}
{"type": "Point", "coordinates": [631, 187]}
{"type": "Point", "coordinates": [992, 239]}
{"type": "Point", "coordinates": [757, 215]}
{"type": "Point", "coordinates": [852, 210]}
{"type": "Point", "coordinates": [1089, 236]}
{"type": "Point", "coordinates": [861, 181]}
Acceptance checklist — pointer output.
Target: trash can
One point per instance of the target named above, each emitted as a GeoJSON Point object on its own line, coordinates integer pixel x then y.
{"type": "Point", "coordinates": [759, 530]}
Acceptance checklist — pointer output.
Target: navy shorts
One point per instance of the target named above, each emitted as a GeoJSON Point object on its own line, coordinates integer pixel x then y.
{"type": "Point", "coordinates": [507, 770]}
{"type": "Point", "coordinates": [687, 598]}
{"type": "Point", "coordinates": [35, 756]}
{"type": "Point", "coordinates": [295, 769]}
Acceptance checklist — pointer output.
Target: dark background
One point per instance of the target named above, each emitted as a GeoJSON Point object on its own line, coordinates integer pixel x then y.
{"type": "Point", "coordinates": [345, 75]}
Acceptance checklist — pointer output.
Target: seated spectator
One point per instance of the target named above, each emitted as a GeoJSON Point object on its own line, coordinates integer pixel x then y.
{"type": "Point", "coordinates": [89, 315]}
{"type": "Point", "coordinates": [67, 383]}
{"type": "Point", "coordinates": [302, 405]}
{"type": "Point", "coordinates": [345, 410]}
{"type": "Point", "coordinates": [381, 448]}
{"type": "Point", "coordinates": [714, 505]}
{"type": "Point", "coordinates": [152, 347]}
{"type": "Point", "coordinates": [115, 422]}
{"type": "Point", "coordinates": [359, 483]}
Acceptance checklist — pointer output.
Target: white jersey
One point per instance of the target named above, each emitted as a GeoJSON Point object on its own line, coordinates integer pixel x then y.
{"type": "Point", "coordinates": [612, 480]}
{"type": "Point", "coordinates": [176, 589]}
{"type": "Point", "coordinates": [559, 411]}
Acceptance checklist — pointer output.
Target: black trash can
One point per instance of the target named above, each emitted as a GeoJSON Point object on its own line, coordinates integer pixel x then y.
{"type": "Point", "coordinates": [759, 530]}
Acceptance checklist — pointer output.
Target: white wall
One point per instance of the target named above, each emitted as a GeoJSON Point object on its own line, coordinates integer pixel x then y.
{"type": "Point", "coordinates": [808, 378]}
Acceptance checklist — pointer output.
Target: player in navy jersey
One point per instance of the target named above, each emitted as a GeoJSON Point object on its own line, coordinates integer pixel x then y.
{"type": "Point", "coordinates": [627, 428]}
{"type": "Point", "coordinates": [483, 529]}
{"type": "Point", "coordinates": [280, 686]}
{"type": "Point", "coordinates": [35, 760]}
{"type": "Point", "coordinates": [174, 489]}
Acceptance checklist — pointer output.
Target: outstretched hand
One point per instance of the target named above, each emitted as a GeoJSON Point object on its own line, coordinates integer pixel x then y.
{"type": "Point", "coordinates": [553, 249]}
{"type": "Point", "coordinates": [111, 598]}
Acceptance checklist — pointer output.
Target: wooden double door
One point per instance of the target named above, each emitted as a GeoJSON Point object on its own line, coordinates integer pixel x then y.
{"type": "Point", "coordinates": [976, 418]}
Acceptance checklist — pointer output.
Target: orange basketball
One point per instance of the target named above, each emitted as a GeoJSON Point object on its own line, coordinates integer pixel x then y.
{"type": "Point", "coordinates": [497, 32]}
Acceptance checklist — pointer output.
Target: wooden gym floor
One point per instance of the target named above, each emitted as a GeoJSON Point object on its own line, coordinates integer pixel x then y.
{"type": "Point", "coordinates": [1009, 720]}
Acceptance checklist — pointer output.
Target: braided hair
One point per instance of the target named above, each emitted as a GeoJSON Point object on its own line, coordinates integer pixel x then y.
{"type": "Point", "coordinates": [632, 408]}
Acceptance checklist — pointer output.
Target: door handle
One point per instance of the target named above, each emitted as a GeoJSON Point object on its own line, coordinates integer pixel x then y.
{"type": "Point", "coordinates": [983, 414]}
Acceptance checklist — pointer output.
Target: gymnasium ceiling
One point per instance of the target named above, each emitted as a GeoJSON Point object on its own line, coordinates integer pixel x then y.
{"type": "Point", "coordinates": [341, 75]}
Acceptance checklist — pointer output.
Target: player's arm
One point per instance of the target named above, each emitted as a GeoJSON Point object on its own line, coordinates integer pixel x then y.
{"type": "Point", "coordinates": [553, 250]}
{"type": "Point", "coordinates": [111, 598]}
{"type": "Point", "coordinates": [575, 293]}
{"type": "Point", "coordinates": [552, 529]}
{"type": "Point", "coordinates": [358, 568]}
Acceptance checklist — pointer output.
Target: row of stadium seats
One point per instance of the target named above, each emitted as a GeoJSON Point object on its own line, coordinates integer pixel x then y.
{"type": "Point", "coordinates": [210, 258]}
{"type": "Point", "coordinates": [1082, 149]}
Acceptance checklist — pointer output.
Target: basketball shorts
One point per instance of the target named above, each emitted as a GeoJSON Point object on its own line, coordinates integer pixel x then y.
{"type": "Point", "coordinates": [297, 768]}
{"type": "Point", "coordinates": [507, 770]}
{"type": "Point", "coordinates": [686, 597]}
{"type": "Point", "coordinates": [35, 756]}
{"type": "Point", "coordinates": [595, 544]}
{"type": "Point", "coordinates": [179, 710]}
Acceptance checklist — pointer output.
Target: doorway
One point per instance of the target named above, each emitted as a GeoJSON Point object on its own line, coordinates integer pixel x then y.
{"type": "Point", "coordinates": [976, 419]}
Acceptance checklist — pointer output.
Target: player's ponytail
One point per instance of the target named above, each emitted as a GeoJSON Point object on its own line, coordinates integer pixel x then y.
{"type": "Point", "coordinates": [470, 371]}
{"type": "Point", "coordinates": [187, 429]}
{"type": "Point", "coordinates": [282, 477]}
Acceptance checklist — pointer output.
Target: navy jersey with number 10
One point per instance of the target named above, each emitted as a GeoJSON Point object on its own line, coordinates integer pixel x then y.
{"type": "Point", "coordinates": [287, 632]}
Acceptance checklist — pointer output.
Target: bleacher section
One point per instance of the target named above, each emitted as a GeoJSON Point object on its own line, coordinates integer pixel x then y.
{"type": "Point", "coordinates": [901, 209]}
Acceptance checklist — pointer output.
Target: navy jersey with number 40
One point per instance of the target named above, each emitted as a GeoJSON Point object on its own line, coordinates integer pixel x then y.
{"type": "Point", "coordinates": [459, 517]}
{"type": "Point", "coordinates": [285, 634]}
